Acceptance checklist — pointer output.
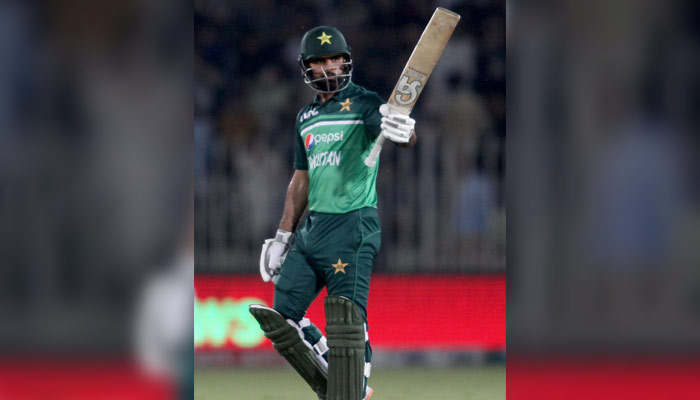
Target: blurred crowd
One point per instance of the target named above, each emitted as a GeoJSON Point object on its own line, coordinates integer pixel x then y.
{"type": "Point", "coordinates": [248, 88]}
{"type": "Point", "coordinates": [95, 177]}
{"type": "Point", "coordinates": [606, 221]}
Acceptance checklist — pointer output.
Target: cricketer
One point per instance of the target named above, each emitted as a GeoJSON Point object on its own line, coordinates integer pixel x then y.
{"type": "Point", "coordinates": [336, 243]}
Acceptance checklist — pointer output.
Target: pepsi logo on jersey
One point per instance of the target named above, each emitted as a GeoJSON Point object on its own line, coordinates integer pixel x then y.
{"type": "Point", "coordinates": [311, 139]}
{"type": "Point", "coordinates": [309, 142]}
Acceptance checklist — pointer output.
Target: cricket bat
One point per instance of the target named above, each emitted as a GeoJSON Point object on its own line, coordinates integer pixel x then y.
{"type": "Point", "coordinates": [418, 68]}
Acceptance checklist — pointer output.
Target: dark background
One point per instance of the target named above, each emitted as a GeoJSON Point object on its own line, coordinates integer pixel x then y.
{"type": "Point", "coordinates": [441, 203]}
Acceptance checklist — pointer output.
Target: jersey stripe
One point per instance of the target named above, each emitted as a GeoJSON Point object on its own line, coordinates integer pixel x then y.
{"type": "Point", "coordinates": [328, 123]}
{"type": "Point", "coordinates": [326, 117]}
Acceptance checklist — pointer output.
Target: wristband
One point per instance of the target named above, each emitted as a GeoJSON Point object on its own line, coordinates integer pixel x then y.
{"type": "Point", "coordinates": [282, 236]}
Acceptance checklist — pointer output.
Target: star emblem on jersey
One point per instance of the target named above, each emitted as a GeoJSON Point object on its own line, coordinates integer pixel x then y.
{"type": "Point", "coordinates": [324, 38]}
{"type": "Point", "coordinates": [346, 104]}
{"type": "Point", "coordinates": [339, 266]}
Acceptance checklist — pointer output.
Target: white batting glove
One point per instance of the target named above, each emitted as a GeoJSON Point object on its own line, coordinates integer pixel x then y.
{"type": "Point", "coordinates": [396, 127]}
{"type": "Point", "coordinates": [274, 251]}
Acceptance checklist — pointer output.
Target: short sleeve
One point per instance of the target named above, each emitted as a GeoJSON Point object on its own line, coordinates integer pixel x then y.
{"type": "Point", "coordinates": [300, 160]}
{"type": "Point", "coordinates": [372, 117]}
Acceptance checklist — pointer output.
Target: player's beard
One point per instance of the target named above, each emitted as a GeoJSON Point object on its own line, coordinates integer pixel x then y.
{"type": "Point", "coordinates": [332, 81]}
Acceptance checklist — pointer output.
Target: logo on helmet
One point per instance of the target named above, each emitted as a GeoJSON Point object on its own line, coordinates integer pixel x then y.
{"type": "Point", "coordinates": [310, 142]}
{"type": "Point", "coordinates": [325, 38]}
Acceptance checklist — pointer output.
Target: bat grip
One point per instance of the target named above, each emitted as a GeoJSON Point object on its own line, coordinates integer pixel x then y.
{"type": "Point", "coordinates": [371, 159]}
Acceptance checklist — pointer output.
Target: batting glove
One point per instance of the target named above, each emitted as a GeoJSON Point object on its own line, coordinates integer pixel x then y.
{"type": "Point", "coordinates": [396, 127]}
{"type": "Point", "coordinates": [274, 251]}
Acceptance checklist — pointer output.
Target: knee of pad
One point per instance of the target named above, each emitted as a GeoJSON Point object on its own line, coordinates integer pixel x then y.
{"type": "Point", "coordinates": [275, 326]}
{"type": "Point", "coordinates": [344, 323]}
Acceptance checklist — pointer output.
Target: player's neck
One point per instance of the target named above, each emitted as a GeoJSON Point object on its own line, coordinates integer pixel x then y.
{"type": "Point", "coordinates": [325, 96]}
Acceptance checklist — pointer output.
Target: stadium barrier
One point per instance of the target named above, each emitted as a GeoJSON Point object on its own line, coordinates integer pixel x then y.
{"type": "Point", "coordinates": [447, 314]}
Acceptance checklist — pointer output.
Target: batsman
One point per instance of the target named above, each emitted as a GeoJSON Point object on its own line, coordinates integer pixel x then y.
{"type": "Point", "coordinates": [336, 243]}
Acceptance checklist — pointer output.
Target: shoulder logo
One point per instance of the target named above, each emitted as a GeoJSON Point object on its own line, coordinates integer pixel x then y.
{"type": "Point", "coordinates": [308, 114]}
{"type": "Point", "coordinates": [309, 142]}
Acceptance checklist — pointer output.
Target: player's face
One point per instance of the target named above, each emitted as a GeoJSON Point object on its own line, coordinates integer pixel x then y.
{"type": "Point", "coordinates": [332, 65]}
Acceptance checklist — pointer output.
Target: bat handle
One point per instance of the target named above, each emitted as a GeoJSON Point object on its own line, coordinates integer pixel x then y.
{"type": "Point", "coordinates": [371, 159]}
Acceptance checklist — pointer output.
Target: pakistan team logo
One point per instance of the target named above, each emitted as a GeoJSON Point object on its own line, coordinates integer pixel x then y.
{"type": "Point", "coordinates": [310, 141]}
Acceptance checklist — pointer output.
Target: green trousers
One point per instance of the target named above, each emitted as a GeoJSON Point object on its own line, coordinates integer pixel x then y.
{"type": "Point", "coordinates": [332, 250]}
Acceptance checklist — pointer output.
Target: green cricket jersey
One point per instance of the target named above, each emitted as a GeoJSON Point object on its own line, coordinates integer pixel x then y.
{"type": "Point", "coordinates": [332, 141]}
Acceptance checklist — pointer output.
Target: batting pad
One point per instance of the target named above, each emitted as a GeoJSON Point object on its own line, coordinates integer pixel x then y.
{"type": "Point", "coordinates": [288, 340]}
{"type": "Point", "coordinates": [345, 331]}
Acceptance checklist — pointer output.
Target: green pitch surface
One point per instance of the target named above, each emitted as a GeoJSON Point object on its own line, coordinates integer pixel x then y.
{"type": "Point", "coordinates": [469, 383]}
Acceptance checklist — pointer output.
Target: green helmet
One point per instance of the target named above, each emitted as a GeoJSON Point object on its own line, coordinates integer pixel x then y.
{"type": "Point", "coordinates": [323, 41]}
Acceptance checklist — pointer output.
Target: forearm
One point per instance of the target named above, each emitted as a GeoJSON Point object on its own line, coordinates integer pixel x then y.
{"type": "Point", "coordinates": [296, 200]}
